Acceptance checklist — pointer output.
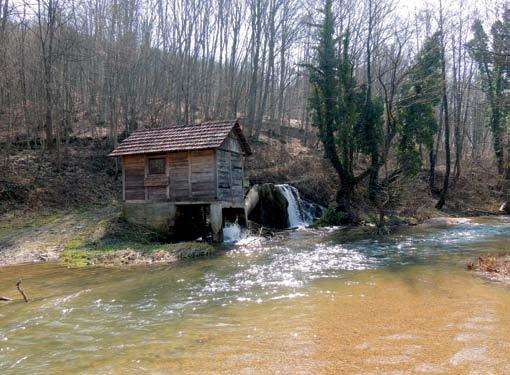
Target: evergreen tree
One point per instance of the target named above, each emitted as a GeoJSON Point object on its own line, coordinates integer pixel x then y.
{"type": "Point", "coordinates": [494, 68]}
{"type": "Point", "coordinates": [338, 110]}
{"type": "Point", "coordinates": [420, 94]}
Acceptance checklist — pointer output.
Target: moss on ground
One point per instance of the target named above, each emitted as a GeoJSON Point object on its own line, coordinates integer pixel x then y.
{"type": "Point", "coordinates": [113, 241]}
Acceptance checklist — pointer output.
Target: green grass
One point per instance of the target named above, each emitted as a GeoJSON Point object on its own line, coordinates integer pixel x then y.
{"type": "Point", "coordinates": [18, 220]}
{"type": "Point", "coordinates": [115, 242]}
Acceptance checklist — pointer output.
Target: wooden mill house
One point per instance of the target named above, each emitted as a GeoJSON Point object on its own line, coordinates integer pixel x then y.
{"type": "Point", "coordinates": [184, 179]}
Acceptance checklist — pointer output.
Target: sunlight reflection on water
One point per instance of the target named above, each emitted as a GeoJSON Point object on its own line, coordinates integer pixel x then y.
{"type": "Point", "coordinates": [90, 311]}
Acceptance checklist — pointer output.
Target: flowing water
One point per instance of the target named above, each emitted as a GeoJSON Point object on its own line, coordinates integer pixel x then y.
{"type": "Point", "coordinates": [330, 301]}
{"type": "Point", "coordinates": [299, 211]}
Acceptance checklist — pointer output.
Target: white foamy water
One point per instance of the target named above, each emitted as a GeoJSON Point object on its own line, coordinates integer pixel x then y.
{"type": "Point", "coordinates": [232, 232]}
{"type": "Point", "coordinates": [295, 217]}
{"type": "Point", "coordinates": [301, 213]}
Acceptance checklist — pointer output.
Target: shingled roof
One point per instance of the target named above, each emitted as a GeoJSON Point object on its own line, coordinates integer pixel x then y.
{"type": "Point", "coordinates": [207, 135]}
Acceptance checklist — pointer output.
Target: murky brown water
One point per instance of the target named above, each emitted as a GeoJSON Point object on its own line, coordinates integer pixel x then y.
{"type": "Point", "coordinates": [314, 302]}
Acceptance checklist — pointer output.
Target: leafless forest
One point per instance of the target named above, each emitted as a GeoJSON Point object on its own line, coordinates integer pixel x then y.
{"type": "Point", "coordinates": [107, 67]}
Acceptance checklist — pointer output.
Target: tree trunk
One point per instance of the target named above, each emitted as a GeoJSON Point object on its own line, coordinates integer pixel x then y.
{"type": "Point", "coordinates": [432, 171]}
{"type": "Point", "coordinates": [444, 191]}
{"type": "Point", "coordinates": [344, 198]}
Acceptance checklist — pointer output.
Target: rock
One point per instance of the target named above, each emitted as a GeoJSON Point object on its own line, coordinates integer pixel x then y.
{"type": "Point", "coordinates": [259, 230]}
{"type": "Point", "coordinates": [267, 206]}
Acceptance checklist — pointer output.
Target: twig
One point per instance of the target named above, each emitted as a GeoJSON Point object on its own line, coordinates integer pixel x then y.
{"type": "Point", "coordinates": [20, 289]}
{"type": "Point", "coordinates": [5, 298]}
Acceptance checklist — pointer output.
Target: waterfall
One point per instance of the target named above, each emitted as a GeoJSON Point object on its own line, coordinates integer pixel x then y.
{"type": "Point", "coordinates": [300, 211]}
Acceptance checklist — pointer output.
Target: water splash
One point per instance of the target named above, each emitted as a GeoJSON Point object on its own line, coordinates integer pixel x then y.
{"type": "Point", "coordinates": [232, 232]}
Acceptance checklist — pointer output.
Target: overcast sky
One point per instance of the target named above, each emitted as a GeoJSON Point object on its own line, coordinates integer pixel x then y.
{"type": "Point", "coordinates": [408, 6]}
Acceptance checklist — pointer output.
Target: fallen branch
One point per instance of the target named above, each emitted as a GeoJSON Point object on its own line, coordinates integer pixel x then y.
{"type": "Point", "coordinates": [5, 298]}
{"type": "Point", "coordinates": [20, 289]}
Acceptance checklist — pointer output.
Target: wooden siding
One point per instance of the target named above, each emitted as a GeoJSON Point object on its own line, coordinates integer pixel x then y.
{"type": "Point", "coordinates": [156, 180]}
{"type": "Point", "coordinates": [203, 174]}
{"type": "Point", "coordinates": [134, 173]}
{"type": "Point", "coordinates": [230, 169]}
{"type": "Point", "coordinates": [178, 175]}
{"type": "Point", "coordinates": [156, 193]}
{"type": "Point", "coordinates": [231, 143]}
{"type": "Point", "coordinates": [223, 167]}
{"type": "Point", "coordinates": [237, 176]}
{"type": "Point", "coordinates": [230, 175]}
{"type": "Point", "coordinates": [190, 176]}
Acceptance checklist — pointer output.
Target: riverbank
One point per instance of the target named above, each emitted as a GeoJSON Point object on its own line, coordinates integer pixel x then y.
{"type": "Point", "coordinates": [91, 236]}
{"type": "Point", "coordinates": [97, 236]}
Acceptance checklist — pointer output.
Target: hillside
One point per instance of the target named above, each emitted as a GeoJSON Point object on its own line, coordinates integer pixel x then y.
{"type": "Point", "coordinates": [32, 182]}
{"type": "Point", "coordinates": [32, 179]}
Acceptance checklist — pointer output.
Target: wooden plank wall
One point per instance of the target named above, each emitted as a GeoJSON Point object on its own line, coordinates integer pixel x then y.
{"type": "Point", "coordinates": [230, 169]}
{"type": "Point", "coordinates": [223, 166]}
{"type": "Point", "coordinates": [203, 174]}
{"type": "Point", "coordinates": [156, 193]}
{"type": "Point", "coordinates": [134, 173]}
{"type": "Point", "coordinates": [231, 143]}
{"type": "Point", "coordinates": [155, 184]}
{"type": "Point", "coordinates": [178, 174]}
{"type": "Point", "coordinates": [191, 175]}
{"type": "Point", "coordinates": [237, 175]}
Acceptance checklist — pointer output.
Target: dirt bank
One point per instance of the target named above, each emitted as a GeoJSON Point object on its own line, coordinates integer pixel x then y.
{"type": "Point", "coordinates": [92, 236]}
{"type": "Point", "coordinates": [35, 237]}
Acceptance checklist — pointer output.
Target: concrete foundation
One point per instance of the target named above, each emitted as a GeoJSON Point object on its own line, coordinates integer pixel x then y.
{"type": "Point", "coordinates": [181, 218]}
{"type": "Point", "coordinates": [216, 219]}
{"type": "Point", "coordinates": [159, 216]}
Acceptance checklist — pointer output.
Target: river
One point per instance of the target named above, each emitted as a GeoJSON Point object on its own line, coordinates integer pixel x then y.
{"type": "Point", "coordinates": [330, 301]}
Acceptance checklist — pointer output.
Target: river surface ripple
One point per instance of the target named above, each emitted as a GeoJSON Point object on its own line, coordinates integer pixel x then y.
{"type": "Point", "coordinates": [309, 301]}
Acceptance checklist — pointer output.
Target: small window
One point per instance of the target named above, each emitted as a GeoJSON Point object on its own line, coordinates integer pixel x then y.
{"type": "Point", "coordinates": [157, 166]}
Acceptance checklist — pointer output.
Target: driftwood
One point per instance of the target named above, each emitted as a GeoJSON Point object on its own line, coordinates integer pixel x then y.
{"type": "Point", "coordinates": [20, 289]}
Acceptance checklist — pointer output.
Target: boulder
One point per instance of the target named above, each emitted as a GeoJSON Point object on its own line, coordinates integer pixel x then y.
{"type": "Point", "coordinates": [267, 206]}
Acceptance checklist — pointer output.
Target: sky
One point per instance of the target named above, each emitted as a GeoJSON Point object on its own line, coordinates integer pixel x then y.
{"type": "Point", "coordinates": [408, 6]}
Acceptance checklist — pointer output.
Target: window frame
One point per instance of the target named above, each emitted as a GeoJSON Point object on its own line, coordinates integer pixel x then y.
{"type": "Point", "coordinates": [150, 172]}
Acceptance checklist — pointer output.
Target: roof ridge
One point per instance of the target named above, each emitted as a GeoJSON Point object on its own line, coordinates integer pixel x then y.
{"type": "Point", "coordinates": [173, 126]}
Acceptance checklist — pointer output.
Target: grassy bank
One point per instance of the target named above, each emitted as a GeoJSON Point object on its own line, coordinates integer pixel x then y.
{"type": "Point", "coordinates": [86, 236]}
{"type": "Point", "coordinates": [114, 242]}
